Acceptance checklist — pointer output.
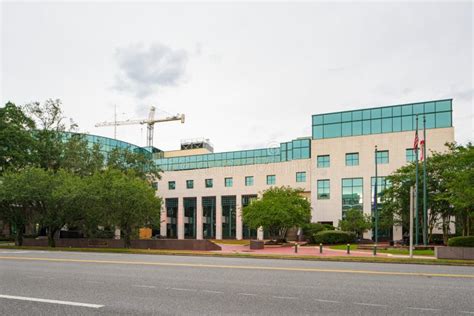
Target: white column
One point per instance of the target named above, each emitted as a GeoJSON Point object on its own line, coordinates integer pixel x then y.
{"type": "Point", "coordinates": [180, 218]}
{"type": "Point", "coordinates": [163, 220]}
{"type": "Point", "coordinates": [117, 232]}
{"type": "Point", "coordinates": [238, 208]}
{"type": "Point", "coordinates": [199, 217]}
{"type": "Point", "coordinates": [218, 217]}
{"type": "Point", "coordinates": [260, 233]}
{"type": "Point", "coordinates": [397, 232]}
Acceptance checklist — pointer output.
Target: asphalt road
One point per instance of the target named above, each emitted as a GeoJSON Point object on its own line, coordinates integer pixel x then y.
{"type": "Point", "coordinates": [53, 283]}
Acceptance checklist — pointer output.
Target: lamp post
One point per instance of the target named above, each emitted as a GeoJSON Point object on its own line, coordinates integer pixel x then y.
{"type": "Point", "coordinates": [376, 213]}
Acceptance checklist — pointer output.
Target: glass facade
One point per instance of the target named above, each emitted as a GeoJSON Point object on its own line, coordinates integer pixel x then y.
{"type": "Point", "coordinates": [352, 159]}
{"type": "Point", "coordinates": [171, 185]}
{"type": "Point", "coordinates": [208, 183]}
{"type": "Point", "coordinates": [247, 232]}
{"type": "Point", "coordinates": [382, 157]}
{"type": "Point", "coordinates": [323, 161]}
{"type": "Point", "coordinates": [271, 179]}
{"type": "Point", "coordinates": [172, 214]}
{"type": "Point", "coordinates": [352, 194]}
{"type": "Point", "coordinates": [324, 189]}
{"type": "Point", "coordinates": [229, 217]}
{"type": "Point", "coordinates": [382, 184]}
{"type": "Point", "coordinates": [301, 176]}
{"type": "Point", "coordinates": [189, 217]}
{"type": "Point", "coordinates": [388, 119]}
{"type": "Point", "coordinates": [228, 182]}
{"type": "Point", "coordinates": [209, 217]}
{"type": "Point", "coordinates": [248, 181]}
{"type": "Point", "coordinates": [410, 155]}
{"type": "Point", "coordinates": [294, 150]}
{"type": "Point", "coordinates": [189, 184]}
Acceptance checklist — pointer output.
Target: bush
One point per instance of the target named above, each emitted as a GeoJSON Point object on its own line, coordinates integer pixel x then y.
{"type": "Point", "coordinates": [334, 237]}
{"type": "Point", "coordinates": [312, 228]}
{"type": "Point", "coordinates": [463, 241]}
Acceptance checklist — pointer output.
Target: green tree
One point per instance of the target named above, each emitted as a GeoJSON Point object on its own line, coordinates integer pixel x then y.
{"type": "Point", "coordinates": [355, 221]}
{"type": "Point", "coordinates": [124, 200]}
{"type": "Point", "coordinates": [279, 209]}
{"type": "Point", "coordinates": [16, 140]}
{"type": "Point", "coordinates": [140, 164]}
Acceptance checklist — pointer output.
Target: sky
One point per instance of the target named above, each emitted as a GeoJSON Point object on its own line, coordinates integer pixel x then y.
{"type": "Point", "coordinates": [246, 75]}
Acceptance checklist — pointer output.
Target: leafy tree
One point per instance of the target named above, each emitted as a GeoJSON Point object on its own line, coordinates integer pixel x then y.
{"type": "Point", "coordinates": [125, 201]}
{"type": "Point", "coordinates": [140, 164]}
{"type": "Point", "coordinates": [16, 140]}
{"type": "Point", "coordinates": [279, 209]}
{"type": "Point", "coordinates": [356, 221]}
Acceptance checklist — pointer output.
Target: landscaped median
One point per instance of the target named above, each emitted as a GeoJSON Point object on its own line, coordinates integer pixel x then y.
{"type": "Point", "coordinates": [256, 256]}
{"type": "Point", "coordinates": [393, 251]}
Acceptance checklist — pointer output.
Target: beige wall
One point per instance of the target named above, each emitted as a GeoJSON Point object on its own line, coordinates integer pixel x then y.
{"type": "Point", "coordinates": [186, 152]}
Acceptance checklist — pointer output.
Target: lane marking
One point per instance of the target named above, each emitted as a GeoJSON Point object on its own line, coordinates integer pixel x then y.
{"type": "Point", "coordinates": [42, 300]}
{"type": "Point", "coordinates": [181, 289]}
{"type": "Point", "coordinates": [214, 292]}
{"type": "Point", "coordinates": [466, 312]}
{"type": "Point", "coordinates": [369, 304]}
{"type": "Point", "coordinates": [425, 309]}
{"type": "Point", "coordinates": [202, 265]}
{"type": "Point", "coordinates": [94, 282]}
{"type": "Point", "coordinates": [247, 294]}
{"type": "Point", "coordinates": [144, 286]}
{"type": "Point", "coordinates": [326, 301]}
{"type": "Point", "coordinates": [285, 297]}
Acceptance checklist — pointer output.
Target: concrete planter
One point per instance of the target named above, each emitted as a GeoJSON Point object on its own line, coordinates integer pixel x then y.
{"type": "Point", "coordinates": [462, 253]}
{"type": "Point", "coordinates": [257, 244]}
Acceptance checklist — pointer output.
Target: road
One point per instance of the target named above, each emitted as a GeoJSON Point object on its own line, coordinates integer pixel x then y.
{"type": "Point", "coordinates": [45, 283]}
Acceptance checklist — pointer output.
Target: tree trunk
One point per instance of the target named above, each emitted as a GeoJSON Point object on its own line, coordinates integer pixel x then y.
{"type": "Point", "coordinates": [19, 235]}
{"type": "Point", "coordinates": [51, 241]}
{"type": "Point", "coordinates": [127, 232]}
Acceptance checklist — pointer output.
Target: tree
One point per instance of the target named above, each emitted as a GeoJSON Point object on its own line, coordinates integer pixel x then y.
{"type": "Point", "coordinates": [16, 140]}
{"type": "Point", "coordinates": [141, 164]}
{"type": "Point", "coordinates": [279, 209]}
{"type": "Point", "coordinates": [124, 200]}
{"type": "Point", "coordinates": [356, 221]}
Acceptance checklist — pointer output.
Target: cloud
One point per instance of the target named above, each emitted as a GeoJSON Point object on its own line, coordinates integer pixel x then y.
{"type": "Point", "coordinates": [143, 70]}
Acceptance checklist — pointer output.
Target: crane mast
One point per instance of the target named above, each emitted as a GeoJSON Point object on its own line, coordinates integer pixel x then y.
{"type": "Point", "coordinates": [150, 122]}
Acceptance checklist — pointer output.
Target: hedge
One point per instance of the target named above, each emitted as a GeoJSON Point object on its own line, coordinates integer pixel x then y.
{"type": "Point", "coordinates": [463, 241]}
{"type": "Point", "coordinates": [334, 237]}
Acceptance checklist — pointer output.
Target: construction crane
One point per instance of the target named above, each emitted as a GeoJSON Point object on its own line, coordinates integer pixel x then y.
{"type": "Point", "coordinates": [150, 123]}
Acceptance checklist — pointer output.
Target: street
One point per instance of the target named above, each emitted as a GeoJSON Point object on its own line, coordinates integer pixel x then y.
{"type": "Point", "coordinates": [74, 283]}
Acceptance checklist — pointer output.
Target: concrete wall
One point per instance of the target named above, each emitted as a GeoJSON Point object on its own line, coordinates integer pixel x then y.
{"type": "Point", "coordinates": [461, 253]}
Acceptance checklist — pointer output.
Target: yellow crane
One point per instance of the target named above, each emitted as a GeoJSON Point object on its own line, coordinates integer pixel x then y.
{"type": "Point", "coordinates": [150, 123]}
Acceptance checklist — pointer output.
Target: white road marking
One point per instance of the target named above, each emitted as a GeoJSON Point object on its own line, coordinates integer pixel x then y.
{"type": "Point", "coordinates": [326, 301]}
{"type": "Point", "coordinates": [466, 312]}
{"type": "Point", "coordinates": [368, 304]}
{"type": "Point", "coordinates": [424, 309]}
{"type": "Point", "coordinates": [144, 286]}
{"type": "Point", "coordinates": [286, 297]}
{"type": "Point", "coordinates": [215, 292]}
{"type": "Point", "coordinates": [94, 282]}
{"type": "Point", "coordinates": [42, 300]}
{"type": "Point", "coordinates": [180, 289]}
{"type": "Point", "coordinates": [247, 294]}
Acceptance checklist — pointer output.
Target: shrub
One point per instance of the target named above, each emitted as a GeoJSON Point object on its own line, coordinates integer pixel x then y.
{"type": "Point", "coordinates": [312, 228]}
{"type": "Point", "coordinates": [334, 237]}
{"type": "Point", "coordinates": [463, 241]}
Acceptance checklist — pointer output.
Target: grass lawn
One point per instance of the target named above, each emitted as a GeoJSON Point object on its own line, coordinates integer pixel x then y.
{"type": "Point", "coordinates": [394, 251]}
{"type": "Point", "coordinates": [231, 242]}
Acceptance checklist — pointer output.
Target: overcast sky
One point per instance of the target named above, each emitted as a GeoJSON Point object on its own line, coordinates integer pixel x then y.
{"type": "Point", "coordinates": [246, 75]}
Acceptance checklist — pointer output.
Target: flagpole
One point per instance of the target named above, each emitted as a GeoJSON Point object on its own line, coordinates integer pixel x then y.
{"type": "Point", "coordinates": [425, 215]}
{"type": "Point", "coordinates": [376, 213]}
{"type": "Point", "coordinates": [416, 185]}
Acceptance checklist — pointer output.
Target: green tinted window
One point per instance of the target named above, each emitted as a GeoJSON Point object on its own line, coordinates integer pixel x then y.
{"type": "Point", "coordinates": [352, 159]}
{"type": "Point", "coordinates": [228, 182]}
{"type": "Point", "coordinates": [382, 157]}
{"type": "Point", "coordinates": [410, 155]}
{"type": "Point", "coordinates": [301, 176]}
{"type": "Point", "coordinates": [271, 179]}
{"type": "Point", "coordinates": [352, 194]}
{"type": "Point", "coordinates": [208, 183]}
{"type": "Point", "coordinates": [171, 185]}
{"type": "Point", "coordinates": [189, 184]}
{"type": "Point", "coordinates": [323, 161]}
{"type": "Point", "coordinates": [249, 181]}
{"type": "Point", "coordinates": [323, 189]}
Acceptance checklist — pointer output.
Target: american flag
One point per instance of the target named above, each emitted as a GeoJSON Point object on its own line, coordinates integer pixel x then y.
{"type": "Point", "coordinates": [422, 145]}
{"type": "Point", "coordinates": [415, 142]}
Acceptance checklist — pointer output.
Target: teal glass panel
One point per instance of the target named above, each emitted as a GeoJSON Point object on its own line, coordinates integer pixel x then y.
{"type": "Point", "coordinates": [376, 127]}
{"type": "Point", "coordinates": [332, 118]}
{"type": "Point", "coordinates": [387, 112]}
{"type": "Point", "coordinates": [228, 182]}
{"type": "Point", "coordinates": [387, 125]}
{"type": "Point", "coordinates": [189, 184]}
{"type": "Point", "coordinates": [352, 159]}
{"type": "Point", "coordinates": [366, 127]}
{"type": "Point", "coordinates": [410, 155]}
{"type": "Point", "coordinates": [249, 181]}
{"type": "Point", "coordinates": [323, 161]}
{"type": "Point", "coordinates": [317, 119]}
{"type": "Point", "coordinates": [430, 120]}
{"type": "Point", "coordinates": [397, 111]}
{"type": "Point", "coordinates": [356, 115]}
{"type": "Point", "coordinates": [397, 124]}
{"type": "Point", "coordinates": [332, 130]}
{"type": "Point", "coordinates": [305, 154]}
{"type": "Point", "coordinates": [407, 123]}
{"type": "Point", "coordinates": [347, 116]}
{"type": "Point", "coordinates": [443, 106]}
{"type": "Point", "coordinates": [271, 179]}
{"type": "Point", "coordinates": [171, 185]}
{"type": "Point", "coordinates": [418, 108]}
{"type": "Point", "coordinates": [430, 107]}
{"type": "Point", "coordinates": [443, 119]}
{"type": "Point", "coordinates": [323, 192]}
{"type": "Point", "coordinates": [318, 132]}
{"type": "Point", "coordinates": [346, 129]}
{"type": "Point", "coordinates": [382, 157]}
{"type": "Point", "coordinates": [301, 176]}
{"type": "Point", "coordinates": [357, 128]}
{"type": "Point", "coordinates": [375, 113]}
{"type": "Point", "coordinates": [366, 114]}
{"type": "Point", "coordinates": [407, 109]}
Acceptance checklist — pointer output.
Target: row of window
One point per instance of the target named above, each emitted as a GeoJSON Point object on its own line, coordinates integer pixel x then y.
{"type": "Point", "coordinates": [229, 181]}
{"type": "Point", "coordinates": [352, 159]}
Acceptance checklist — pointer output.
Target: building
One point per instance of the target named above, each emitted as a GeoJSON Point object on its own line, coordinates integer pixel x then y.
{"type": "Point", "coordinates": [204, 192]}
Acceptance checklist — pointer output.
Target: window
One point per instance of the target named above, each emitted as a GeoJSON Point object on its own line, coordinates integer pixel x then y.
{"type": "Point", "coordinates": [382, 157]}
{"type": "Point", "coordinates": [189, 184]}
{"type": "Point", "coordinates": [352, 159]}
{"type": "Point", "coordinates": [208, 183]}
{"type": "Point", "coordinates": [228, 182]}
{"type": "Point", "coordinates": [301, 176]}
{"type": "Point", "coordinates": [352, 194]}
{"type": "Point", "coordinates": [410, 155]}
{"type": "Point", "coordinates": [171, 185]}
{"type": "Point", "coordinates": [323, 161]}
{"type": "Point", "coordinates": [248, 181]}
{"type": "Point", "coordinates": [271, 179]}
{"type": "Point", "coordinates": [323, 189]}
{"type": "Point", "coordinates": [382, 184]}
